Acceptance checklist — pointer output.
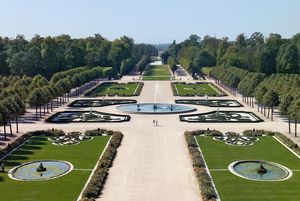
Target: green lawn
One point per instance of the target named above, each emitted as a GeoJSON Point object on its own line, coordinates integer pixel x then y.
{"type": "Point", "coordinates": [113, 88]}
{"type": "Point", "coordinates": [199, 89]}
{"type": "Point", "coordinates": [218, 155]}
{"type": "Point", "coordinates": [67, 188]}
{"type": "Point", "coordinates": [158, 72]}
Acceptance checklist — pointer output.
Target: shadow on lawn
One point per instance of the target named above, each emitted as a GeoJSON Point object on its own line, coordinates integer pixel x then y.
{"type": "Point", "coordinates": [22, 152]}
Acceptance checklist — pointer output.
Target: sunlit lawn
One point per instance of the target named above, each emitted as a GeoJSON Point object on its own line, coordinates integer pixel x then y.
{"type": "Point", "coordinates": [67, 188]}
{"type": "Point", "coordinates": [219, 155]}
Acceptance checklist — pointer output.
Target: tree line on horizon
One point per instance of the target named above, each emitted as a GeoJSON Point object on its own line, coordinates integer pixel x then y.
{"type": "Point", "coordinates": [48, 55]}
{"type": "Point", "coordinates": [269, 55]}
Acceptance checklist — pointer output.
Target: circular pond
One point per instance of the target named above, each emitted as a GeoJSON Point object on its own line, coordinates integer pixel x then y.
{"type": "Point", "coordinates": [155, 108]}
{"type": "Point", "coordinates": [40, 170]}
{"type": "Point", "coordinates": [260, 170]}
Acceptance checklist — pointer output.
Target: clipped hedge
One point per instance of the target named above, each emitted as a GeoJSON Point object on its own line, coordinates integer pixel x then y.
{"type": "Point", "coordinates": [207, 189]}
{"type": "Point", "coordinates": [173, 87]}
{"type": "Point", "coordinates": [95, 185]}
{"type": "Point", "coordinates": [208, 192]}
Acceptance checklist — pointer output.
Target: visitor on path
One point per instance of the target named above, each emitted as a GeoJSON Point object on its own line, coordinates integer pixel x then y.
{"type": "Point", "coordinates": [153, 122]}
{"type": "Point", "coordinates": [156, 122]}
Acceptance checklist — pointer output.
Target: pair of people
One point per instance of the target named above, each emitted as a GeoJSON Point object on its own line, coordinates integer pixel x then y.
{"type": "Point", "coordinates": [155, 122]}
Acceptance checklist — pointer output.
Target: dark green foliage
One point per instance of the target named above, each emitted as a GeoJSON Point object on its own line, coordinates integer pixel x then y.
{"type": "Point", "coordinates": [202, 176]}
{"type": "Point", "coordinates": [141, 65]}
{"type": "Point", "coordinates": [94, 187]}
{"type": "Point", "coordinates": [49, 55]}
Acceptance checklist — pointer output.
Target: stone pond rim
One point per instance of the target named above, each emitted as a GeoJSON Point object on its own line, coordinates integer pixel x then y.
{"type": "Point", "coordinates": [155, 108]}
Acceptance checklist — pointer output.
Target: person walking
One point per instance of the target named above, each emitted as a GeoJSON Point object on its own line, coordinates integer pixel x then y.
{"type": "Point", "coordinates": [156, 122]}
{"type": "Point", "coordinates": [153, 122]}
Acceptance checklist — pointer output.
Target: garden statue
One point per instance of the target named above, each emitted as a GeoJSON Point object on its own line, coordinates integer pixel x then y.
{"type": "Point", "coordinates": [41, 168]}
{"type": "Point", "coordinates": [261, 169]}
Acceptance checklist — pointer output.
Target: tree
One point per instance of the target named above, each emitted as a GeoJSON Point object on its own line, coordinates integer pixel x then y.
{"type": "Point", "coordinates": [285, 104]}
{"type": "Point", "coordinates": [240, 41]}
{"type": "Point", "coordinates": [288, 59]}
{"type": "Point", "coordinates": [172, 64]}
{"type": "Point", "coordinates": [271, 99]}
{"type": "Point", "coordinates": [295, 112]}
{"type": "Point", "coordinates": [259, 94]}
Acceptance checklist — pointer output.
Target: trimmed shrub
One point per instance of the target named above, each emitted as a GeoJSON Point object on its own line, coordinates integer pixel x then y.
{"type": "Point", "coordinates": [94, 187]}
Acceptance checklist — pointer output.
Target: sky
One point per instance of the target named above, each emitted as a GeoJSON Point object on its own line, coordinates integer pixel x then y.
{"type": "Point", "coordinates": [155, 21]}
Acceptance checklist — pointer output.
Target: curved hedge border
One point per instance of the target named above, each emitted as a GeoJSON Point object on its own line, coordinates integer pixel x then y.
{"type": "Point", "coordinates": [97, 181]}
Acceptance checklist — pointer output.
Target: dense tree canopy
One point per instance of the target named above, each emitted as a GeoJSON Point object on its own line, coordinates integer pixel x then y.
{"type": "Point", "coordinates": [260, 54]}
{"type": "Point", "coordinates": [49, 55]}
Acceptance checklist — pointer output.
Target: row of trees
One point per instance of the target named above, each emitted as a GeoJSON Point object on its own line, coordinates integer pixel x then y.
{"type": "Point", "coordinates": [277, 90]}
{"type": "Point", "coordinates": [142, 64]}
{"type": "Point", "coordinates": [272, 54]}
{"type": "Point", "coordinates": [47, 55]}
{"type": "Point", "coordinates": [40, 93]}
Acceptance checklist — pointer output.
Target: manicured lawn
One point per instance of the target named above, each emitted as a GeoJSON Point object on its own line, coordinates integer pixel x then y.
{"type": "Point", "coordinates": [199, 89]}
{"type": "Point", "coordinates": [218, 155]}
{"type": "Point", "coordinates": [159, 72]}
{"type": "Point", "coordinates": [67, 188]}
{"type": "Point", "coordinates": [113, 88]}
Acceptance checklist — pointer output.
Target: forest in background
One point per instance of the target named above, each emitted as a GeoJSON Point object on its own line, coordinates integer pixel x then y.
{"type": "Point", "coordinates": [269, 55]}
{"type": "Point", "coordinates": [48, 55]}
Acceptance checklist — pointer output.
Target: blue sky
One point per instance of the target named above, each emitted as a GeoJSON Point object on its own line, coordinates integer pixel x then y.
{"type": "Point", "coordinates": [155, 21]}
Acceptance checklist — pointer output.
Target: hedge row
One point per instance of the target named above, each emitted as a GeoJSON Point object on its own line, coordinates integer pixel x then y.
{"type": "Point", "coordinates": [174, 90]}
{"type": "Point", "coordinates": [95, 185]}
{"type": "Point", "coordinates": [208, 192]}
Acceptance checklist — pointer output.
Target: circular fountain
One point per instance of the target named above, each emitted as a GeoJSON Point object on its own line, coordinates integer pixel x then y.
{"type": "Point", "coordinates": [40, 170]}
{"type": "Point", "coordinates": [155, 108]}
{"type": "Point", "coordinates": [260, 170]}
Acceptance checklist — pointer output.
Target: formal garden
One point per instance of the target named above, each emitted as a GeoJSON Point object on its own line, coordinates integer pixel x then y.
{"type": "Point", "coordinates": [157, 72]}
{"type": "Point", "coordinates": [86, 116]}
{"type": "Point", "coordinates": [196, 89]}
{"type": "Point", "coordinates": [99, 102]}
{"type": "Point", "coordinates": [37, 167]}
{"type": "Point", "coordinates": [116, 89]}
{"type": "Point", "coordinates": [210, 102]}
{"type": "Point", "coordinates": [222, 116]}
{"type": "Point", "coordinates": [245, 172]}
